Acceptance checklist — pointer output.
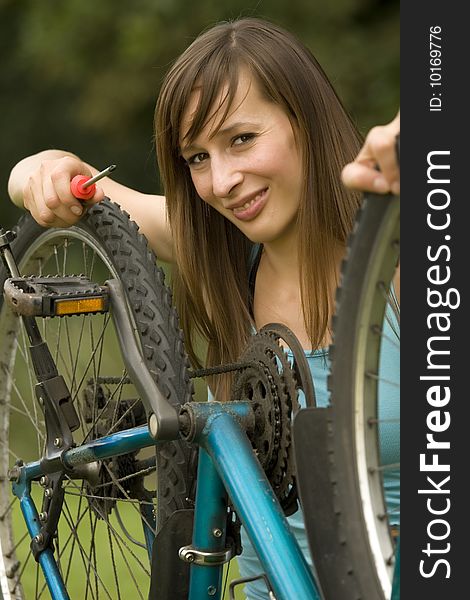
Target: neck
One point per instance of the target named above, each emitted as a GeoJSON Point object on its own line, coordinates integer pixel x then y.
{"type": "Point", "coordinates": [282, 258]}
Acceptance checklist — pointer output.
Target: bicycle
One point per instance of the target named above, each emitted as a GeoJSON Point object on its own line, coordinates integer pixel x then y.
{"type": "Point", "coordinates": [102, 440]}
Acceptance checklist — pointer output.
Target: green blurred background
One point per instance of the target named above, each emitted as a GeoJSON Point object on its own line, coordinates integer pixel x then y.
{"type": "Point", "coordinates": [83, 75]}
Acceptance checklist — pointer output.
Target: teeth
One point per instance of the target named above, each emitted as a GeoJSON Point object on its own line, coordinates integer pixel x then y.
{"type": "Point", "coordinates": [250, 203]}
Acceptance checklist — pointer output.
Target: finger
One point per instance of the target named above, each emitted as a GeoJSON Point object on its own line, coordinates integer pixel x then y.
{"type": "Point", "coordinates": [98, 197]}
{"type": "Point", "coordinates": [358, 176]}
{"type": "Point", "coordinates": [61, 176]}
{"type": "Point", "coordinates": [45, 217]}
{"type": "Point", "coordinates": [387, 161]}
{"type": "Point", "coordinates": [380, 145]}
{"type": "Point", "coordinates": [33, 202]}
{"type": "Point", "coordinates": [64, 210]}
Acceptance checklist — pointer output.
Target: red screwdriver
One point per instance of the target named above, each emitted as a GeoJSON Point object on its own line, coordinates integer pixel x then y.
{"type": "Point", "coordinates": [84, 188]}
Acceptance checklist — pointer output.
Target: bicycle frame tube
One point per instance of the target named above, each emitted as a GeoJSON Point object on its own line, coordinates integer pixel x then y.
{"type": "Point", "coordinates": [209, 533]}
{"type": "Point", "coordinates": [233, 461]}
{"type": "Point", "coordinates": [227, 464]}
{"type": "Point", "coordinates": [22, 489]}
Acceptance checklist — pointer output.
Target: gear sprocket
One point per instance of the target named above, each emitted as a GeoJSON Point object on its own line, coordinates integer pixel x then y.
{"type": "Point", "coordinates": [271, 383]}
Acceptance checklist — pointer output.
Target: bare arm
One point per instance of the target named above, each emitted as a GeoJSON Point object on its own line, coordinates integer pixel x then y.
{"type": "Point", "coordinates": [41, 184]}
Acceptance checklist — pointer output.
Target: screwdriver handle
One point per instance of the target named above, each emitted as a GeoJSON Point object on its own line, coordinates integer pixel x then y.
{"type": "Point", "coordinates": [84, 188]}
{"type": "Point", "coordinates": [80, 192]}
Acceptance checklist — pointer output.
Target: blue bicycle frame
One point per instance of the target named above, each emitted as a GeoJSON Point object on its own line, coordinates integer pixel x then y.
{"type": "Point", "coordinates": [227, 465]}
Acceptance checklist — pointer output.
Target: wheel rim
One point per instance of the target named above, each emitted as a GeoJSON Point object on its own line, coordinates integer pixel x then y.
{"type": "Point", "coordinates": [367, 419]}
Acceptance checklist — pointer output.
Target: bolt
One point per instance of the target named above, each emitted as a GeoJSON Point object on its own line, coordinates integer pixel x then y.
{"type": "Point", "coordinates": [43, 516]}
{"type": "Point", "coordinates": [41, 400]}
{"type": "Point", "coordinates": [58, 442]}
{"type": "Point", "coordinates": [48, 493]}
{"type": "Point", "coordinates": [13, 474]}
{"type": "Point", "coordinates": [211, 590]}
{"type": "Point", "coordinates": [190, 557]}
{"type": "Point", "coordinates": [44, 480]}
{"type": "Point", "coordinates": [153, 425]}
{"type": "Point", "coordinates": [217, 532]}
{"type": "Point", "coordinates": [39, 538]}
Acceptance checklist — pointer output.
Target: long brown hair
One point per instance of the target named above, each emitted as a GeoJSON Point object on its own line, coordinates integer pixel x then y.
{"type": "Point", "coordinates": [212, 255]}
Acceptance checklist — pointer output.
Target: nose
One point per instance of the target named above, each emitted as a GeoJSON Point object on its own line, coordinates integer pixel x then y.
{"type": "Point", "coordinates": [226, 175]}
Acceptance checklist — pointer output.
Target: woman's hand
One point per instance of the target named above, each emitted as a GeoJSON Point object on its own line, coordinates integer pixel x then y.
{"type": "Point", "coordinates": [41, 183]}
{"type": "Point", "coordinates": [379, 150]}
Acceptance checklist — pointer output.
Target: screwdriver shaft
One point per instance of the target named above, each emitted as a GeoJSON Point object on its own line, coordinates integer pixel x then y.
{"type": "Point", "coordinates": [98, 176]}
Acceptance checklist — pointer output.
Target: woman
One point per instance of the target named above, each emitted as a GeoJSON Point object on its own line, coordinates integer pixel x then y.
{"type": "Point", "coordinates": [251, 139]}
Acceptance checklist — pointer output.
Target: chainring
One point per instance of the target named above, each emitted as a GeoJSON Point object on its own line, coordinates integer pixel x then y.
{"type": "Point", "coordinates": [271, 383]}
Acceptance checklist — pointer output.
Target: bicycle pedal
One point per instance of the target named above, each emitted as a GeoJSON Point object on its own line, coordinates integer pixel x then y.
{"type": "Point", "coordinates": [55, 296]}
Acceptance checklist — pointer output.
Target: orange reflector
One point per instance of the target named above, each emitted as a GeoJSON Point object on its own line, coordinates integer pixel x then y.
{"type": "Point", "coordinates": [80, 305]}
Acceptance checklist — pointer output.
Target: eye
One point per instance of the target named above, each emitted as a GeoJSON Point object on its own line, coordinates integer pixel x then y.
{"type": "Point", "coordinates": [244, 138]}
{"type": "Point", "coordinates": [197, 159]}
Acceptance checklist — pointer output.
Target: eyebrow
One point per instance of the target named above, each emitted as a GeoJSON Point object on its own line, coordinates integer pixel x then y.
{"type": "Point", "coordinates": [223, 131]}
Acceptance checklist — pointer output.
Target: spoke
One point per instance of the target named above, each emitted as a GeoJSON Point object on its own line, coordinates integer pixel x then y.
{"type": "Point", "coordinates": [72, 361]}
{"type": "Point", "coordinates": [85, 556]}
{"type": "Point", "coordinates": [91, 357]}
{"type": "Point", "coordinates": [131, 572]}
{"type": "Point", "coordinates": [373, 421]}
{"type": "Point", "coordinates": [390, 467]}
{"type": "Point", "coordinates": [19, 575]}
{"type": "Point", "coordinates": [8, 508]}
{"type": "Point", "coordinates": [10, 451]}
{"type": "Point", "coordinates": [65, 364]}
{"type": "Point", "coordinates": [120, 539]}
{"type": "Point", "coordinates": [102, 411]}
{"type": "Point", "coordinates": [38, 594]}
{"type": "Point", "coordinates": [74, 539]}
{"type": "Point", "coordinates": [378, 330]}
{"type": "Point", "coordinates": [40, 434]}
{"type": "Point", "coordinates": [65, 255]}
{"type": "Point", "coordinates": [111, 549]}
{"type": "Point", "coordinates": [123, 491]}
{"type": "Point", "coordinates": [92, 555]}
{"type": "Point", "coordinates": [124, 415]}
{"type": "Point", "coordinates": [32, 382]}
{"type": "Point", "coordinates": [18, 543]}
{"type": "Point", "coordinates": [56, 256]}
{"type": "Point", "coordinates": [382, 379]}
{"type": "Point", "coordinates": [113, 498]}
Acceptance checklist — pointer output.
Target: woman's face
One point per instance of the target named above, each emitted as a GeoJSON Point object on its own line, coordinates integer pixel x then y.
{"type": "Point", "coordinates": [250, 170]}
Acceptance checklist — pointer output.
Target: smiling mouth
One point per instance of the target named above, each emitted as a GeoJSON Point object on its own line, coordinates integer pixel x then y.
{"type": "Point", "coordinates": [248, 205]}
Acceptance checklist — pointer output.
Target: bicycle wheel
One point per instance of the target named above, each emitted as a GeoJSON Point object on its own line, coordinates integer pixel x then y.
{"type": "Point", "coordinates": [363, 433]}
{"type": "Point", "coordinates": [100, 549]}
